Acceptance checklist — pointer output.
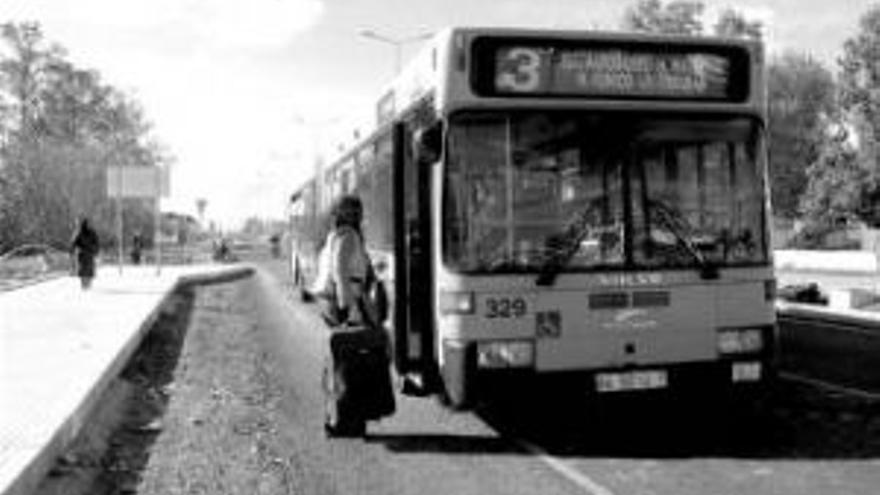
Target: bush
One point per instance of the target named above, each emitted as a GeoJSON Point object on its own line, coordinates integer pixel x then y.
{"type": "Point", "coordinates": [823, 237]}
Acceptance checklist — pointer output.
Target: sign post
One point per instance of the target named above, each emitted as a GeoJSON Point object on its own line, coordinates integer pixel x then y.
{"type": "Point", "coordinates": [119, 227]}
{"type": "Point", "coordinates": [138, 182]}
{"type": "Point", "coordinates": [157, 229]}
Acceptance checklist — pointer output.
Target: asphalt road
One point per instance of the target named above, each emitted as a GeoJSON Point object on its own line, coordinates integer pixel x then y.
{"type": "Point", "coordinates": [803, 440]}
{"type": "Point", "coordinates": [423, 449]}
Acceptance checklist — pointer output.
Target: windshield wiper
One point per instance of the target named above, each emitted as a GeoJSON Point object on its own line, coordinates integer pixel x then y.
{"type": "Point", "coordinates": [570, 244]}
{"type": "Point", "coordinates": [672, 222]}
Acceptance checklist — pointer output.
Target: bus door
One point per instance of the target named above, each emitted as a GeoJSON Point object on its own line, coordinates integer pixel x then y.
{"type": "Point", "coordinates": [413, 315]}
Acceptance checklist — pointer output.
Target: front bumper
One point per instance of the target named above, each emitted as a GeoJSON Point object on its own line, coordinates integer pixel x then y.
{"type": "Point", "coordinates": [728, 373]}
{"type": "Point", "coordinates": [722, 376]}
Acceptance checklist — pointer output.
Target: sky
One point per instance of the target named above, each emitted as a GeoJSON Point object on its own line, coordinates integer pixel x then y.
{"type": "Point", "coordinates": [243, 92]}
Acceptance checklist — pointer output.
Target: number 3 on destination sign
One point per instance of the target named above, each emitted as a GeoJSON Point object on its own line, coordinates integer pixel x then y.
{"type": "Point", "coordinates": [520, 73]}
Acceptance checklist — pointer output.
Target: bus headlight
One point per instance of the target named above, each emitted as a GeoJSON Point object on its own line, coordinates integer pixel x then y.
{"type": "Point", "coordinates": [461, 303]}
{"type": "Point", "coordinates": [742, 340]}
{"type": "Point", "coordinates": [505, 354]}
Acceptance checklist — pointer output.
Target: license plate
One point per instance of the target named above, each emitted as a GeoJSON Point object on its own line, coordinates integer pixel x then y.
{"type": "Point", "coordinates": [631, 380]}
{"type": "Point", "coordinates": [746, 372]}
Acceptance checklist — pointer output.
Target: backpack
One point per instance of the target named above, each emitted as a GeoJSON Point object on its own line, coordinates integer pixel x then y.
{"type": "Point", "coordinates": [374, 300]}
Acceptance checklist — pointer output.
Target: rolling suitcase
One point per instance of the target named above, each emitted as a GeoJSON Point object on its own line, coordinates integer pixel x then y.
{"type": "Point", "coordinates": [357, 380]}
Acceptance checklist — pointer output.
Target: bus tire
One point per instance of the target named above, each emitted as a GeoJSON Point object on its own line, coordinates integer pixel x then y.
{"type": "Point", "coordinates": [456, 397]}
{"type": "Point", "coordinates": [458, 374]}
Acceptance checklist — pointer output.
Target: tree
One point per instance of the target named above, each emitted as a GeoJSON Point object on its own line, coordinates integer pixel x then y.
{"type": "Point", "coordinates": [801, 94]}
{"type": "Point", "coordinates": [21, 75]}
{"type": "Point", "coordinates": [685, 17]}
{"type": "Point", "coordinates": [732, 24]}
{"type": "Point", "coordinates": [25, 70]}
{"type": "Point", "coordinates": [802, 108]}
{"type": "Point", "coordinates": [860, 100]}
{"type": "Point", "coordinates": [60, 128]}
{"type": "Point", "coordinates": [201, 206]}
{"type": "Point", "coordinates": [677, 17]}
{"type": "Point", "coordinates": [254, 226]}
{"type": "Point", "coordinates": [834, 190]}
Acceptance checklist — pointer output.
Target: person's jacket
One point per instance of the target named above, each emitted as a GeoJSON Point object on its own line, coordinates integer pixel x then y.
{"type": "Point", "coordinates": [86, 242]}
{"type": "Point", "coordinates": [349, 263]}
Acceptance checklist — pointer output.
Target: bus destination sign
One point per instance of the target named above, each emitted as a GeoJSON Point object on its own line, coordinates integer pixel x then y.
{"type": "Point", "coordinates": [623, 72]}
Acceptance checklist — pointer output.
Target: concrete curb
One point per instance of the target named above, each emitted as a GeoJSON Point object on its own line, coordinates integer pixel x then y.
{"type": "Point", "coordinates": [866, 320]}
{"type": "Point", "coordinates": [835, 348]}
{"type": "Point", "coordinates": [230, 274]}
{"type": "Point", "coordinates": [822, 261]}
{"type": "Point", "coordinates": [34, 470]}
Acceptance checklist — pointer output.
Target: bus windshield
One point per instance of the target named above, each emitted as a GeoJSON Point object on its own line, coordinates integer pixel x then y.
{"type": "Point", "coordinates": [587, 191]}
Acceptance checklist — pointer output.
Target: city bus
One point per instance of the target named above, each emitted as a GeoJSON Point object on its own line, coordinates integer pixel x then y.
{"type": "Point", "coordinates": [578, 209]}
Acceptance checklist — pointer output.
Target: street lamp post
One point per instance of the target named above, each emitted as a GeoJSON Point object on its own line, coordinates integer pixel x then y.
{"type": "Point", "coordinates": [397, 43]}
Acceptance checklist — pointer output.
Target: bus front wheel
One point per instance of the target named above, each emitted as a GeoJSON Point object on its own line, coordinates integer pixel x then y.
{"type": "Point", "coordinates": [458, 373]}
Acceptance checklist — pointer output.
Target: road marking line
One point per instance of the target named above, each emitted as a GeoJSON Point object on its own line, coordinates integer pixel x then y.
{"type": "Point", "coordinates": [830, 386]}
{"type": "Point", "coordinates": [558, 465]}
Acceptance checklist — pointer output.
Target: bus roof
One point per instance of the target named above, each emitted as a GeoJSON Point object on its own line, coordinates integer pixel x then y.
{"type": "Point", "coordinates": [428, 72]}
{"type": "Point", "coordinates": [526, 32]}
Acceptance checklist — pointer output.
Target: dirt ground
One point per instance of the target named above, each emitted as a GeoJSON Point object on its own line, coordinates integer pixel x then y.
{"type": "Point", "coordinates": [164, 425]}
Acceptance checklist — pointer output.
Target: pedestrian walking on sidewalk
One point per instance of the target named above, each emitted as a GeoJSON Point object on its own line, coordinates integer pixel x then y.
{"type": "Point", "coordinates": [85, 248]}
{"type": "Point", "coordinates": [137, 248]}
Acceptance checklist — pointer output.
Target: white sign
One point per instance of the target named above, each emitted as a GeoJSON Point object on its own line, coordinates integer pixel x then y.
{"type": "Point", "coordinates": [137, 182]}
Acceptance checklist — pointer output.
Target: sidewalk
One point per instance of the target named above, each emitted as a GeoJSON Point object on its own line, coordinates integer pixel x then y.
{"type": "Point", "coordinates": [824, 260]}
{"type": "Point", "coordinates": [59, 349]}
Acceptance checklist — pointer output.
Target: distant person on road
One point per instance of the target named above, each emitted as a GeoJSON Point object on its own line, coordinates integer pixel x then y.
{"type": "Point", "coordinates": [275, 245]}
{"type": "Point", "coordinates": [221, 250]}
{"type": "Point", "coordinates": [85, 248]}
{"type": "Point", "coordinates": [137, 248]}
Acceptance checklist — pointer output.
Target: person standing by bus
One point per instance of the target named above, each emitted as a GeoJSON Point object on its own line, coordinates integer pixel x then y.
{"type": "Point", "coordinates": [356, 377]}
{"type": "Point", "coordinates": [344, 263]}
{"type": "Point", "coordinates": [85, 248]}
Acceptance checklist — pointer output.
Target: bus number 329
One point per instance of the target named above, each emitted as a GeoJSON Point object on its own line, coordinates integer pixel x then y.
{"type": "Point", "coordinates": [505, 307]}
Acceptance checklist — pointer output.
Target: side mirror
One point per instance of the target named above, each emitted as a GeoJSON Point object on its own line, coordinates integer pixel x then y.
{"type": "Point", "coordinates": [428, 143]}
